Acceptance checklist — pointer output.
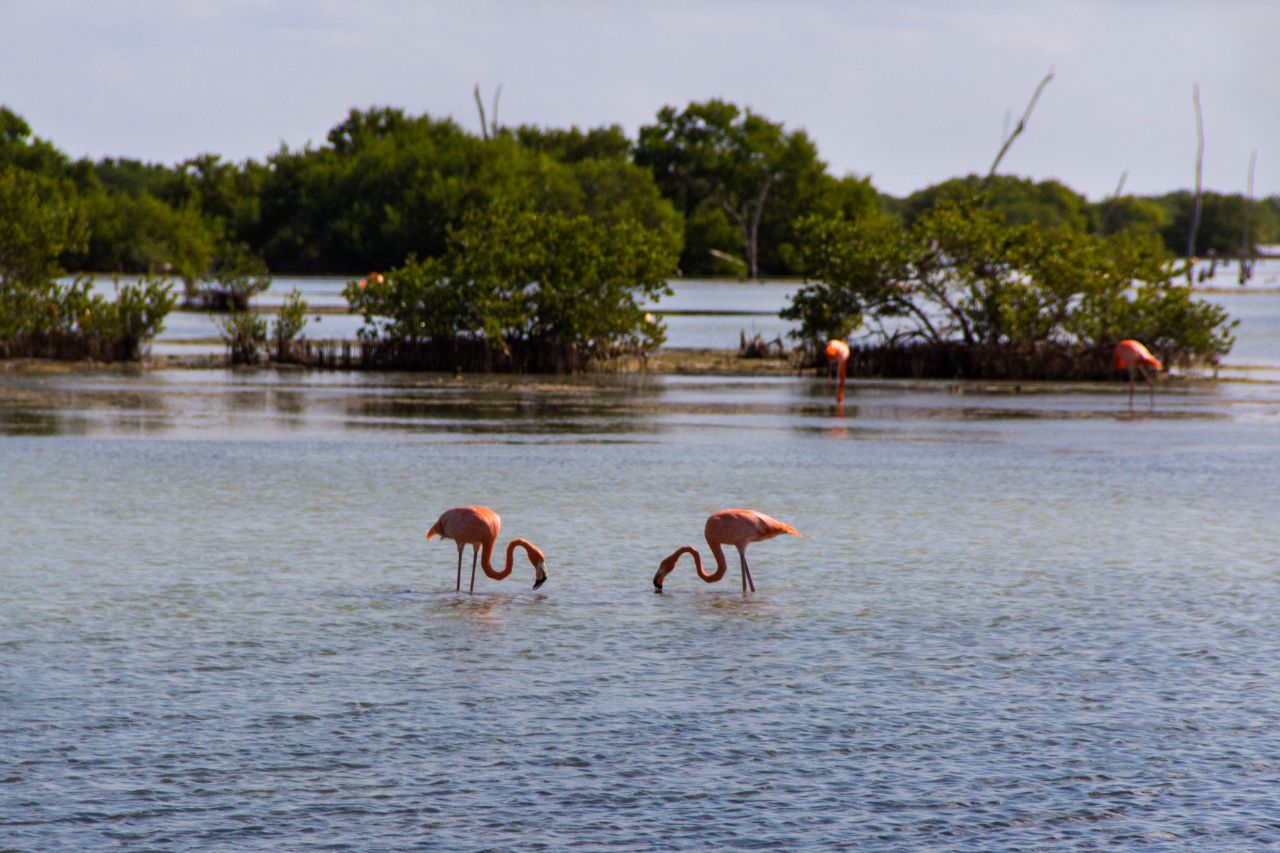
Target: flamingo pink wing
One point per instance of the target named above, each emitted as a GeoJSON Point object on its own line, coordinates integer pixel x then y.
{"type": "Point", "coordinates": [471, 524]}
{"type": "Point", "coordinates": [742, 526]}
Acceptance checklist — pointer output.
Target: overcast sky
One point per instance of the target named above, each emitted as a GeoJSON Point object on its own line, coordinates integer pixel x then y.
{"type": "Point", "coordinates": [909, 92]}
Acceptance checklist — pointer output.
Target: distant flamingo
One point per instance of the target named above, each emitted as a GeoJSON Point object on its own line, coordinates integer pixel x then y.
{"type": "Point", "coordinates": [1132, 356]}
{"type": "Point", "coordinates": [736, 527]}
{"type": "Point", "coordinates": [478, 527]}
{"type": "Point", "coordinates": [838, 354]}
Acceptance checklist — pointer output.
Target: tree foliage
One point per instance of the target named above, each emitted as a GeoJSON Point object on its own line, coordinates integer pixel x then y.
{"type": "Point", "coordinates": [740, 180]}
{"type": "Point", "coordinates": [574, 145]}
{"type": "Point", "coordinates": [41, 219]}
{"type": "Point", "coordinates": [144, 234]}
{"type": "Point", "coordinates": [390, 186]}
{"type": "Point", "coordinates": [1020, 201]}
{"type": "Point", "coordinates": [1222, 222]}
{"type": "Point", "coordinates": [1131, 213]}
{"type": "Point", "coordinates": [514, 276]}
{"type": "Point", "coordinates": [960, 272]}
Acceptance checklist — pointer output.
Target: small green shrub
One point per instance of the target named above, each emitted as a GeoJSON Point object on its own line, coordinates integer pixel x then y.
{"type": "Point", "coordinates": [136, 315]}
{"type": "Point", "coordinates": [241, 276]}
{"type": "Point", "coordinates": [245, 335]}
{"type": "Point", "coordinates": [289, 324]}
{"type": "Point", "coordinates": [70, 321]}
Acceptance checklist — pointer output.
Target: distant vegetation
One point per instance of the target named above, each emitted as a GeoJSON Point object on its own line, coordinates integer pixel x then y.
{"type": "Point", "coordinates": [249, 337]}
{"type": "Point", "coordinates": [710, 189]}
{"type": "Point", "coordinates": [42, 316]}
{"type": "Point", "coordinates": [963, 291]}
{"type": "Point", "coordinates": [519, 289]}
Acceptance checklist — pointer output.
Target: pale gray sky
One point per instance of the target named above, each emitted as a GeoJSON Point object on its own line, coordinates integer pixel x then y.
{"type": "Point", "coordinates": [909, 92]}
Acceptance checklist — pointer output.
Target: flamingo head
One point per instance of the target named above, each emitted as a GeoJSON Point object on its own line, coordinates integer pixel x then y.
{"type": "Point", "coordinates": [437, 529]}
{"type": "Point", "coordinates": [537, 558]}
{"type": "Point", "coordinates": [664, 569]}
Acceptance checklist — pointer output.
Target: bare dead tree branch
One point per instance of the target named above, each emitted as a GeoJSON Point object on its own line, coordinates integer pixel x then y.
{"type": "Point", "coordinates": [1109, 209]}
{"type": "Point", "coordinates": [484, 127]}
{"type": "Point", "coordinates": [1124, 176]}
{"type": "Point", "coordinates": [1022, 123]}
{"type": "Point", "coordinates": [497, 93]}
{"type": "Point", "coordinates": [754, 239]}
{"type": "Point", "coordinates": [725, 256]}
{"type": "Point", "coordinates": [750, 229]}
{"type": "Point", "coordinates": [1246, 249]}
{"type": "Point", "coordinates": [1195, 207]}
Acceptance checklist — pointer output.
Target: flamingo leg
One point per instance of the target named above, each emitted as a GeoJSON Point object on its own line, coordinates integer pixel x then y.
{"type": "Point", "coordinates": [475, 552]}
{"type": "Point", "coordinates": [1131, 388]}
{"type": "Point", "coordinates": [1151, 385]}
{"type": "Point", "coordinates": [746, 571]}
{"type": "Point", "coordinates": [458, 586]}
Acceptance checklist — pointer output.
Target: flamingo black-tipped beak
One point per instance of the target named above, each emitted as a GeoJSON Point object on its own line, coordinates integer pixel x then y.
{"type": "Point", "coordinates": [541, 575]}
{"type": "Point", "coordinates": [657, 586]}
{"type": "Point", "coordinates": [540, 581]}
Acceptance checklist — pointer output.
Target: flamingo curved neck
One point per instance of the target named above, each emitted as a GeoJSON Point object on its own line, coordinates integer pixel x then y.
{"type": "Point", "coordinates": [486, 557]}
{"type": "Point", "coordinates": [722, 565]}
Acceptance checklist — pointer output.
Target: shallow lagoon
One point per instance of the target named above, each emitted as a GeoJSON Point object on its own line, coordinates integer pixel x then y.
{"type": "Point", "coordinates": [1020, 616]}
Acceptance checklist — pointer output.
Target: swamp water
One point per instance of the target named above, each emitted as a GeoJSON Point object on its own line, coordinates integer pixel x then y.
{"type": "Point", "coordinates": [1015, 620]}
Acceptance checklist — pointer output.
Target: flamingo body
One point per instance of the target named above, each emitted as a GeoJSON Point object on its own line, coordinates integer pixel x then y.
{"type": "Point", "coordinates": [1129, 354]}
{"type": "Point", "coordinates": [478, 527]}
{"type": "Point", "coordinates": [1132, 356]}
{"type": "Point", "coordinates": [736, 527]}
{"type": "Point", "coordinates": [838, 356]}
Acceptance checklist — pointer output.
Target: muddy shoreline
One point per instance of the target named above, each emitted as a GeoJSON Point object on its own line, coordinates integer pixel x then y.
{"type": "Point", "coordinates": [677, 361]}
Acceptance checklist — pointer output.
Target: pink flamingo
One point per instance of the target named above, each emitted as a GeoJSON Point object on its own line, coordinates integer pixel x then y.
{"type": "Point", "coordinates": [1132, 356]}
{"type": "Point", "coordinates": [736, 527]}
{"type": "Point", "coordinates": [838, 354]}
{"type": "Point", "coordinates": [478, 527]}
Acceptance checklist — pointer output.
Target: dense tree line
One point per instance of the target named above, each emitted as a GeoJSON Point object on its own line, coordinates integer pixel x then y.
{"type": "Point", "coordinates": [725, 184]}
{"type": "Point", "coordinates": [710, 189]}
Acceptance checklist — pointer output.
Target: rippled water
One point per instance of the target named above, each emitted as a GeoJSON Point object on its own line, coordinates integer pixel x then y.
{"type": "Point", "coordinates": [1018, 619]}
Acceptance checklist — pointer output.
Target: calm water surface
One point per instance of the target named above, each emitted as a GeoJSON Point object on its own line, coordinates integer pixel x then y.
{"type": "Point", "coordinates": [1017, 619]}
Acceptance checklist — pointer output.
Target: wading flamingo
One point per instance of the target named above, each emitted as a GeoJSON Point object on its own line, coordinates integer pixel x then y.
{"type": "Point", "coordinates": [478, 527]}
{"type": "Point", "coordinates": [1132, 356]}
{"type": "Point", "coordinates": [837, 356]}
{"type": "Point", "coordinates": [736, 527]}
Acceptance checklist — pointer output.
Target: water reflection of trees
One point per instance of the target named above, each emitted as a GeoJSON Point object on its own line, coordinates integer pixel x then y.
{"type": "Point", "coordinates": [27, 422]}
{"type": "Point", "coordinates": [73, 410]}
{"type": "Point", "coordinates": [525, 409]}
